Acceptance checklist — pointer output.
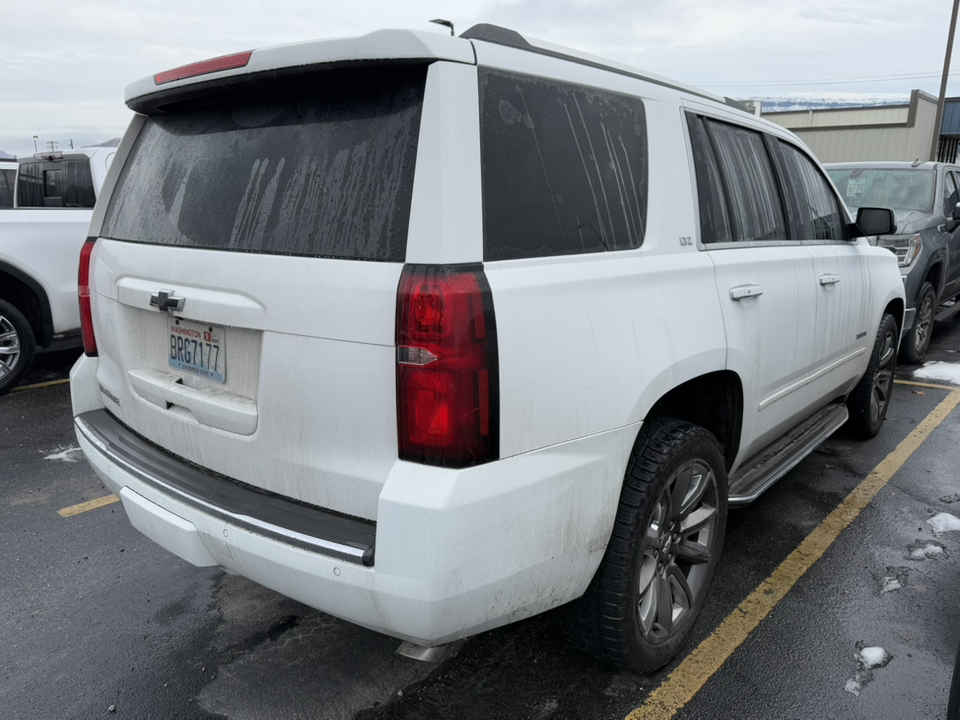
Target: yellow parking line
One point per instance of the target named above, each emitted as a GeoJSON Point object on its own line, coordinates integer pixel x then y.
{"type": "Point", "coordinates": [21, 388]}
{"type": "Point", "coordinates": [700, 665]}
{"type": "Point", "coordinates": [925, 385]}
{"type": "Point", "coordinates": [89, 505]}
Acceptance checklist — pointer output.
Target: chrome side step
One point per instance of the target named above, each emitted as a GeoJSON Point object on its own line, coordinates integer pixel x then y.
{"type": "Point", "coordinates": [778, 458]}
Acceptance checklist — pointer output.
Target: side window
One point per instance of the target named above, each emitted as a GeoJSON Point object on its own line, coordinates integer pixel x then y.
{"type": "Point", "coordinates": [818, 214]}
{"type": "Point", "coordinates": [7, 178]}
{"type": "Point", "coordinates": [564, 168]}
{"type": "Point", "coordinates": [753, 197]}
{"type": "Point", "coordinates": [951, 195]}
{"type": "Point", "coordinates": [714, 224]}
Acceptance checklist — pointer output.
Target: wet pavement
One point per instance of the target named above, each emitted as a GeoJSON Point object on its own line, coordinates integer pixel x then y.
{"type": "Point", "coordinates": [93, 616]}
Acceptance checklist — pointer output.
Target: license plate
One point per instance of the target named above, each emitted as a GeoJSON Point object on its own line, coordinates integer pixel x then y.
{"type": "Point", "coordinates": [198, 349]}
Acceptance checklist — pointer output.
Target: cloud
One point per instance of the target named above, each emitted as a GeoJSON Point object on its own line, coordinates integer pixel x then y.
{"type": "Point", "coordinates": [67, 66]}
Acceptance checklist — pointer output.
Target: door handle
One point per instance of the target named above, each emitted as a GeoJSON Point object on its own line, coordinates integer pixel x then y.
{"type": "Point", "coordinates": [745, 291]}
{"type": "Point", "coordinates": [829, 279]}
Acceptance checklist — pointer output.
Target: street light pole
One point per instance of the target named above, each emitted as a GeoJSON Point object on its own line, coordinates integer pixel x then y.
{"type": "Point", "coordinates": [35, 143]}
{"type": "Point", "coordinates": [943, 82]}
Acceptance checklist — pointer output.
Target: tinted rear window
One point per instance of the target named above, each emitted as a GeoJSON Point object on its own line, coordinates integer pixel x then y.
{"type": "Point", "coordinates": [322, 168]}
{"type": "Point", "coordinates": [58, 183]}
{"type": "Point", "coordinates": [564, 168]}
{"type": "Point", "coordinates": [7, 178]}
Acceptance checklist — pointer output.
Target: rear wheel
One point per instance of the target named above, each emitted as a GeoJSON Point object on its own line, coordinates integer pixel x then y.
{"type": "Point", "coordinates": [953, 705]}
{"type": "Point", "coordinates": [667, 536]}
{"type": "Point", "coordinates": [869, 401]}
{"type": "Point", "coordinates": [17, 346]}
{"type": "Point", "coordinates": [917, 341]}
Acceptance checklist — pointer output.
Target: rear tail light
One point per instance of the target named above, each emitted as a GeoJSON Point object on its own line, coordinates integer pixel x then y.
{"type": "Point", "coordinates": [447, 369]}
{"type": "Point", "coordinates": [83, 290]}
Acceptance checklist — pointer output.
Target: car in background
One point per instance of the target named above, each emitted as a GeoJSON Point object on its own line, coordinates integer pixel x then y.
{"type": "Point", "coordinates": [924, 197]}
{"type": "Point", "coordinates": [52, 197]}
{"type": "Point", "coordinates": [8, 176]}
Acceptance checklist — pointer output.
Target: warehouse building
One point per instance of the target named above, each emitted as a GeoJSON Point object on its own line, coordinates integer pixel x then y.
{"type": "Point", "coordinates": [877, 132]}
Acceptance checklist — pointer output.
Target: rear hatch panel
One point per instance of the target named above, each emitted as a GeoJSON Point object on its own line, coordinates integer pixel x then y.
{"type": "Point", "coordinates": [278, 216]}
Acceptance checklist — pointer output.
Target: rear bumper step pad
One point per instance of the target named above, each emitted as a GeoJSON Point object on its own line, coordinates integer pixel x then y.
{"type": "Point", "coordinates": [306, 526]}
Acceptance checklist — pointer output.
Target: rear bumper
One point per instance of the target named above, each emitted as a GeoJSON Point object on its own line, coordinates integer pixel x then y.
{"type": "Point", "coordinates": [456, 551]}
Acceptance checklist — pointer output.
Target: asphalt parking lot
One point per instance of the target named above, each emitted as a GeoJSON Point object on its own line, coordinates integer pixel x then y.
{"type": "Point", "coordinates": [836, 597]}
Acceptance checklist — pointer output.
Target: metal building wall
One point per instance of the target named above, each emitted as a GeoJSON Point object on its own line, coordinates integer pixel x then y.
{"type": "Point", "coordinates": [890, 132]}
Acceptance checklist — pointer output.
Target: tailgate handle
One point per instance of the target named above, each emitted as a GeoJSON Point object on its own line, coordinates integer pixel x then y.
{"type": "Point", "coordinates": [746, 291]}
{"type": "Point", "coordinates": [829, 279]}
{"type": "Point", "coordinates": [213, 407]}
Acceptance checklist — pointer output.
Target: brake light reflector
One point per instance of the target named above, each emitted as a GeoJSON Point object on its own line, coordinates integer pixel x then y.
{"type": "Point", "coordinates": [83, 290]}
{"type": "Point", "coordinates": [224, 62]}
{"type": "Point", "coordinates": [447, 366]}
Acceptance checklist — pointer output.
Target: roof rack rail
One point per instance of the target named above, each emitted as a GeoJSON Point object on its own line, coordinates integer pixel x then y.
{"type": "Point", "coordinates": [511, 38]}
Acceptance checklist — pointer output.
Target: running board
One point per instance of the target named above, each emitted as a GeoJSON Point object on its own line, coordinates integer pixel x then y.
{"type": "Point", "coordinates": [778, 458]}
{"type": "Point", "coordinates": [947, 310]}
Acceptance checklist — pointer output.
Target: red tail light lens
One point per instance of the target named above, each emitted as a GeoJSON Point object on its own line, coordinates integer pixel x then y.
{"type": "Point", "coordinates": [224, 62]}
{"type": "Point", "coordinates": [83, 290]}
{"type": "Point", "coordinates": [447, 370]}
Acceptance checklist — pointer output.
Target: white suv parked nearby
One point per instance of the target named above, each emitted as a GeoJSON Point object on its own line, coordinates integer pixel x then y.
{"type": "Point", "coordinates": [434, 334]}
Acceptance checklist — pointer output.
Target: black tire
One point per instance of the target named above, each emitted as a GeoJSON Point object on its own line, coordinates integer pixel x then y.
{"type": "Point", "coordinates": [870, 399]}
{"type": "Point", "coordinates": [664, 547]}
{"type": "Point", "coordinates": [17, 346]}
{"type": "Point", "coordinates": [953, 704]}
{"type": "Point", "coordinates": [917, 340]}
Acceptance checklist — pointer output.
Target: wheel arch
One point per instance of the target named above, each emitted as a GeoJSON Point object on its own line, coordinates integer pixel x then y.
{"type": "Point", "coordinates": [934, 275]}
{"type": "Point", "coordinates": [29, 297]}
{"type": "Point", "coordinates": [713, 401]}
{"type": "Point", "coordinates": [897, 308]}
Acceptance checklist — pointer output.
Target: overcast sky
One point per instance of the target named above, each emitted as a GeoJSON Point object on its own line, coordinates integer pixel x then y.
{"type": "Point", "coordinates": [64, 63]}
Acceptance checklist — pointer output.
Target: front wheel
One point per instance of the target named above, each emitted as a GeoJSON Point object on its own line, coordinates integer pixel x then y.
{"type": "Point", "coordinates": [917, 341]}
{"type": "Point", "coordinates": [666, 541]}
{"type": "Point", "coordinates": [17, 346]}
{"type": "Point", "coordinates": [870, 399]}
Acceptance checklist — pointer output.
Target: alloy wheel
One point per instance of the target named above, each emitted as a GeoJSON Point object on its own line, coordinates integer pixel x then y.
{"type": "Point", "coordinates": [921, 336]}
{"type": "Point", "coordinates": [883, 377]}
{"type": "Point", "coordinates": [677, 548]}
{"type": "Point", "coordinates": [9, 347]}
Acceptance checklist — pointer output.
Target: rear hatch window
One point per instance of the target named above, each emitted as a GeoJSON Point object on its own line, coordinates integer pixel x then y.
{"type": "Point", "coordinates": [321, 167]}
{"type": "Point", "coordinates": [56, 183]}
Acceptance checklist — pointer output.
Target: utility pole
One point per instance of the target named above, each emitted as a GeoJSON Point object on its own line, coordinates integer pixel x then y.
{"type": "Point", "coordinates": [943, 83]}
{"type": "Point", "coordinates": [52, 144]}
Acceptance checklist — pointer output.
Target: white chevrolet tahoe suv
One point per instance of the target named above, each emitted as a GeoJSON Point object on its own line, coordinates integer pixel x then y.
{"type": "Point", "coordinates": [434, 334]}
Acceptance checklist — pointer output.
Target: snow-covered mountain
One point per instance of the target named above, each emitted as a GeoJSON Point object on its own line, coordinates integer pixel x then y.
{"type": "Point", "coordinates": [811, 101]}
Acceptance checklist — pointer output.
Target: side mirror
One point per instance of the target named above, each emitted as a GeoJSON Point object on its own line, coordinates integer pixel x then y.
{"type": "Point", "coordinates": [953, 221]}
{"type": "Point", "coordinates": [874, 221]}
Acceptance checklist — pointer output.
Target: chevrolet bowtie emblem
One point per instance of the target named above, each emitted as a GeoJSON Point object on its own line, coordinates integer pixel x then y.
{"type": "Point", "coordinates": [164, 301]}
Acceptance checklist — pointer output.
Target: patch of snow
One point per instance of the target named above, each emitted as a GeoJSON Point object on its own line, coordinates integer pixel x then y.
{"type": "Point", "coordinates": [891, 584]}
{"type": "Point", "coordinates": [894, 579]}
{"type": "Point", "coordinates": [944, 522]}
{"type": "Point", "coordinates": [941, 371]}
{"type": "Point", "coordinates": [873, 657]}
{"type": "Point", "coordinates": [68, 455]}
{"type": "Point", "coordinates": [853, 686]}
{"type": "Point", "coordinates": [927, 551]}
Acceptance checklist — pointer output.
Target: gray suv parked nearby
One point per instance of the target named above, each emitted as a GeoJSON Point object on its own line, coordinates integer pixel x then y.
{"type": "Point", "coordinates": [927, 241]}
